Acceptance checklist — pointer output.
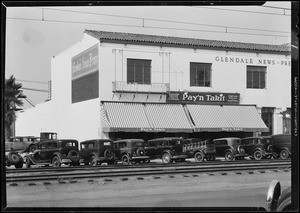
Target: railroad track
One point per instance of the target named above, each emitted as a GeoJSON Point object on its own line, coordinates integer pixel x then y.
{"type": "Point", "coordinates": [50, 174]}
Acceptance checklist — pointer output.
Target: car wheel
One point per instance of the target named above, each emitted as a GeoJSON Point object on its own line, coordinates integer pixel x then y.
{"type": "Point", "coordinates": [199, 157]}
{"type": "Point", "coordinates": [257, 155]}
{"type": "Point", "coordinates": [14, 158]}
{"type": "Point", "coordinates": [56, 161]}
{"type": "Point", "coordinates": [283, 154]}
{"type": "Point", "coordinates": [27, 162]}
{"type": "Point", "coordinates": [229, 156]}
{"type": "Point", "coordinates": [108, 154]}
{"type": "Point", "coordinates": [125, 160]}
{"type": "Point", "coordinates": [93, 161]}
{"type": "Point", "coordinates": [166, 158]}
{"type": "Point", "coordinates": [32, 148]}
{"type": "Point", "coordinates": [73, 156]}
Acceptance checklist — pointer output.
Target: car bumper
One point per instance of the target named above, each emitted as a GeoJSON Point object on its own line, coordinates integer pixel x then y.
{"type": "Point", "coordinates": [140, 158]}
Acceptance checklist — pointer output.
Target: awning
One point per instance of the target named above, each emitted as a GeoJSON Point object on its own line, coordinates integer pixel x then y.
{"type": "Point", "coordinates": [168, 117]}
{"type": "Point", "coordinates": [226, 118]}
{"type": "Point", "coordinates": [144, 117]}
{"type": "Point", "coordinates": [125, 117]}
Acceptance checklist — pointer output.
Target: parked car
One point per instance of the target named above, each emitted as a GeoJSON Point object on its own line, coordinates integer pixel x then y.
{"type": "Point", "coordinates": [13, 158]}
{"type": "Point", "coordinates": [20, 143]}
{"type": "Point", "coordinates": [277, 200]}
{"type": "Point", "coordinates": [55, 152]}
{"type": "Point", "coordinates": [168, 149]}
{"type": "Point", "coordinates": [229, 148]}
{"type": "Point", "coordinates": [258, 147]}
{"type": "Point", "coordinates": [130, 151]}
{"type": "Point", "coordinates": [199, 149]}
{"type": "Point", "coordinates": [94, 152]}
{"type": "Point", "coordinates": [282, 145]}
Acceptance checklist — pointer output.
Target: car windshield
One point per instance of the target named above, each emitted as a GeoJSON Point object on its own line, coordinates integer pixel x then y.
{"type": "Point", "coordinates": [175, 142]}
{"type": "Point", "coordinates": [106, 143]}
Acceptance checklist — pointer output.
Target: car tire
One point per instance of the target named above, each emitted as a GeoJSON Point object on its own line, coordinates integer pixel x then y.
{"type": "Point", "coordinates": [32, 148]}
{"type": "Point", "coordinates": [140, 151]}
{"type": "Point", "coordinates": [14, 157]}
{"type": "Point", "coordinates": [56, 161]}
{"type": "Point", "coordinates": [73, 155]}
{"type": "Point", "coordinates": [108, 154]}
{"type": "Point", "coordinates": [166, 158]}
{"type": "Point", "coordinates": [229, 156]}
{"type": "Point", "coordinates": [257, 155]}
{"type": "Point", "coordinates": [199, 157]}
{"type": "Point", "coordinates": [284, 200]}
{"type": "Point", "coordinates": [27, 162]}
{"type": "Point", "coordinates": [284, 154]}
{"type": "Point", "coordinates": [125, 160]}
{"type": "Point", "coordinates": [93, 161]}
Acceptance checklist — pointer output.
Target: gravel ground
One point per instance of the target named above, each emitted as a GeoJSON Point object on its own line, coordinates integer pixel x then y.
{"type": "Point", "coordinates": [192, 190]}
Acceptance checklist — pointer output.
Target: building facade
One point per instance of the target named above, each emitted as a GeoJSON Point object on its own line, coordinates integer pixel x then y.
{"type": "Point", "coordinates": [123, 85]}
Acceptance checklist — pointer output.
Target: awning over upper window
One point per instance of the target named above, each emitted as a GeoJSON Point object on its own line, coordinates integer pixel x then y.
{"type": "Point", "coordinates": [226, 118]}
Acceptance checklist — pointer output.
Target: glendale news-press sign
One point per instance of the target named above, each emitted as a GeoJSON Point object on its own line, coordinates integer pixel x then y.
{"type": "Point", "coordinates": [203, 98]}
{"type": "Point", "coordinates": [85, 75]}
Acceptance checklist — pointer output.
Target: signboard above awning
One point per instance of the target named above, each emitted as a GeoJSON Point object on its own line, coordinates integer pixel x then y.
{"type": "Point", "coordinates": [203, 98]}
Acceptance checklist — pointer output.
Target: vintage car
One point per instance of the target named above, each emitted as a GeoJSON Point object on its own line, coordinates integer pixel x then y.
{"type": "Point", "coordinates": [282, 145]}
{"type": "Point", "coordinates": [258, 147]}
{"type": "Point", "coordinates": [168, 149]}
{"type": "Point", "coordinates": [55, 152]}
{"type": "Point", "coordinates": [97, 151]}
{"type": "Point", "coordinates": [21, 143]}
{"type": "Point", "coordinates": [229, 148]}
{"type": "Point", "coordinates": [13, 158]}
{"type": "Point", "coordinates": [199, 149]}
{"type": "Point", "coordinates": [277, 200]}
{"type": "Point", "coordinates": [130, 151]}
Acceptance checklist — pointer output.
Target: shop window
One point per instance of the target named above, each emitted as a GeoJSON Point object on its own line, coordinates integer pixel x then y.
{"type": "Point", "coordinates": [200, 74]}
{"type": "Point", "coordinates": [267, 116]}
{"type": "Point", "coordinates": [139, 71]}
{"type": "Point", "coordinates": [286, 121]}
{"type": "Point", "coordinates": [256, 77]}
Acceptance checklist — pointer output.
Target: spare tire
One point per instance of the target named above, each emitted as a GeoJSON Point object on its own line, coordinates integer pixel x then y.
{"type": "Point", "coordinates": [74, 156]}
{"type": "Point", "coordinates": [14, 158]}
{"type": "Point", "coordinates": [108, 154]}
{"type": "Point", "coordinates": [140, 151]}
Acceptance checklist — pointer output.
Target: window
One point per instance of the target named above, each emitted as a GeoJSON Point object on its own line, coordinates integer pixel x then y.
{"type": "Point", "coordinates": [256, 77]}
{"type": "Point", "coordinates": [200, 74]}
{"type": "Point", "coordinates": [139, 71]}
{"type": "Point", "coordinates": [267, 117]}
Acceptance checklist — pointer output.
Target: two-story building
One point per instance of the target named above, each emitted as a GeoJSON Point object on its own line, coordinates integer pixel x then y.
{"type": "Point", "coordinates": [124, 85]}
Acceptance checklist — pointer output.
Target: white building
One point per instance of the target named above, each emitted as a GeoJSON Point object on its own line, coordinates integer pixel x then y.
{"type": "Point", "coordinates": [122, 85]}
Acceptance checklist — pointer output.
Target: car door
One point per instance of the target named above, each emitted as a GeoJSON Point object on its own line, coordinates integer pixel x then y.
{"type": "Point", "coordinates": [151, 149]}
{"type": "Point", "coordinates": [221, 146]}
{"type": "Point", "coordinates": [83, 150]}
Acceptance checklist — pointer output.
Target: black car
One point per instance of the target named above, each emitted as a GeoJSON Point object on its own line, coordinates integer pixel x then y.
{"type": "Point", "coordinates": [229, 148]}
{"type": "Point", "coordinates": [130, 151]}
{"type": "Point", "coordinates": [94, 152]}
{"type": "Point", "coordinates": [168, 149]}
{"type": "Point", "coordinates": [199, 149]}
{"type": "Point", "coordinates": [282, 145]}
{"type": "Point", "coordinates": [55, 152]}
{"type": "Point", "coordinates": [279, 200]}
{"type": "Point", "coordinates": [258, 147]}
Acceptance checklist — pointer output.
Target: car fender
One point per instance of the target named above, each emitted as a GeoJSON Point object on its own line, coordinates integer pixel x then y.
{"type": "Point", "coordinates": [94, 154]}
{"type": "Point", "coordinates": [229, 150]}
{"type": "Point", "coordinates": [31, 158]}
{"type": "Point", "coordinates": [287, 149]}
{"type": "Point", "coordinates": [199, 150]}
{"type": "Point", "coordinates": [57, 154]}
{"type": "Point", "coordinates": [167, 151]}
{"type": "Point", "coordinates": [257, 149]}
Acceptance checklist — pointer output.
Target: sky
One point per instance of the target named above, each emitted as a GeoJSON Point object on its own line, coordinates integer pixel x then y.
{"type": "Point", "coordinates": [35, 34]}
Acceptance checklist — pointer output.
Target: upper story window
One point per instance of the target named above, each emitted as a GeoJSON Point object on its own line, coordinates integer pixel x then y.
{"type": "Point", "coordinates": [200, 74]}
{"type": "Point", "coordinates": [256, 77]}
{"type": "Point", "coordinates": [139, 71]}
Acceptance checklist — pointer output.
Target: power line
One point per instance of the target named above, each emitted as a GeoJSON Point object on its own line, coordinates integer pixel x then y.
{"type": "Point", "coordinates": [37, 90]}
{"type": "Point", "coordinates": [73, 22]}
{"type": "Point", "coordinates": [282, 8]}
{"type": "Point", "coordinates": [161, 20]}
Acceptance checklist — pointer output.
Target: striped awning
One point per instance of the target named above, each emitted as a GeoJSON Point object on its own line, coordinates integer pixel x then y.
{"type": "Point", "coordinates": [125, 117]}
{"type": "Point", "coordinates": [226, 118]}
{"type": "Point", "coordinates": [168, 117]}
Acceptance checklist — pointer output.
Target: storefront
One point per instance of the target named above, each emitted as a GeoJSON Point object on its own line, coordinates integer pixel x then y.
{"type": "Point", "coordinates": [123, 85]}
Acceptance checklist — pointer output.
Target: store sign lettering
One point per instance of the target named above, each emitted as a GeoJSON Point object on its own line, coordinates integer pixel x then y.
{"type": "Point", "coordinates": [254, 61]}
{"type": "Point", "coordinates": [232, 129]}
{"type": "Point", "coordinates": [196, 97]}
{"type": "Point", "coordinates": [85, 62]}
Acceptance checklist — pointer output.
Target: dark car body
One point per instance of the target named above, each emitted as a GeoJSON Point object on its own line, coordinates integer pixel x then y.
{"type": "Point", "coordinates": [55, 152]}
{"type": "Point", "coordinates": [168, 149]}
{"type": "Point", "coordinates": [199, 149]}
{"type": "Point", "coordinates": [277, 200]}
{"type": "Point", "coordinates": [229, 148]}
{"type": "Point", "coordinates": [130, 151]}
{"type": "Point", "coordinates": [14, 158]}
{"type": "Point", "coordinates": [96, 151]}
{"type": "Point", "coordinates": [258, 147]}
{"type": "Point", "coordinates": [20, 143]}
{"type": "Point", "coordinates": [282, 145]}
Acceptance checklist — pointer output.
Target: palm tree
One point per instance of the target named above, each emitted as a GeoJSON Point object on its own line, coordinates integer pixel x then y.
{"type": "Point", "coordinates": [12, 100]}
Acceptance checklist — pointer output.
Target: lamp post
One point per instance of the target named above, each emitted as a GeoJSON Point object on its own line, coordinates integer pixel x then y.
{"type": "Point", "coordinates": [285, 116]}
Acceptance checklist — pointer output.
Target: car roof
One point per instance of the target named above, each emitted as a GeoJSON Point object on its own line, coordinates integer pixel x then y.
{"type": "Point", "coordinates": [130, 139]}
{"type": "Point", "coordinates": [229, 138]}
{"type": "Point", "coordinates": [166, 138]}
{"type": "Point", "coordinates": [99, 140]}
